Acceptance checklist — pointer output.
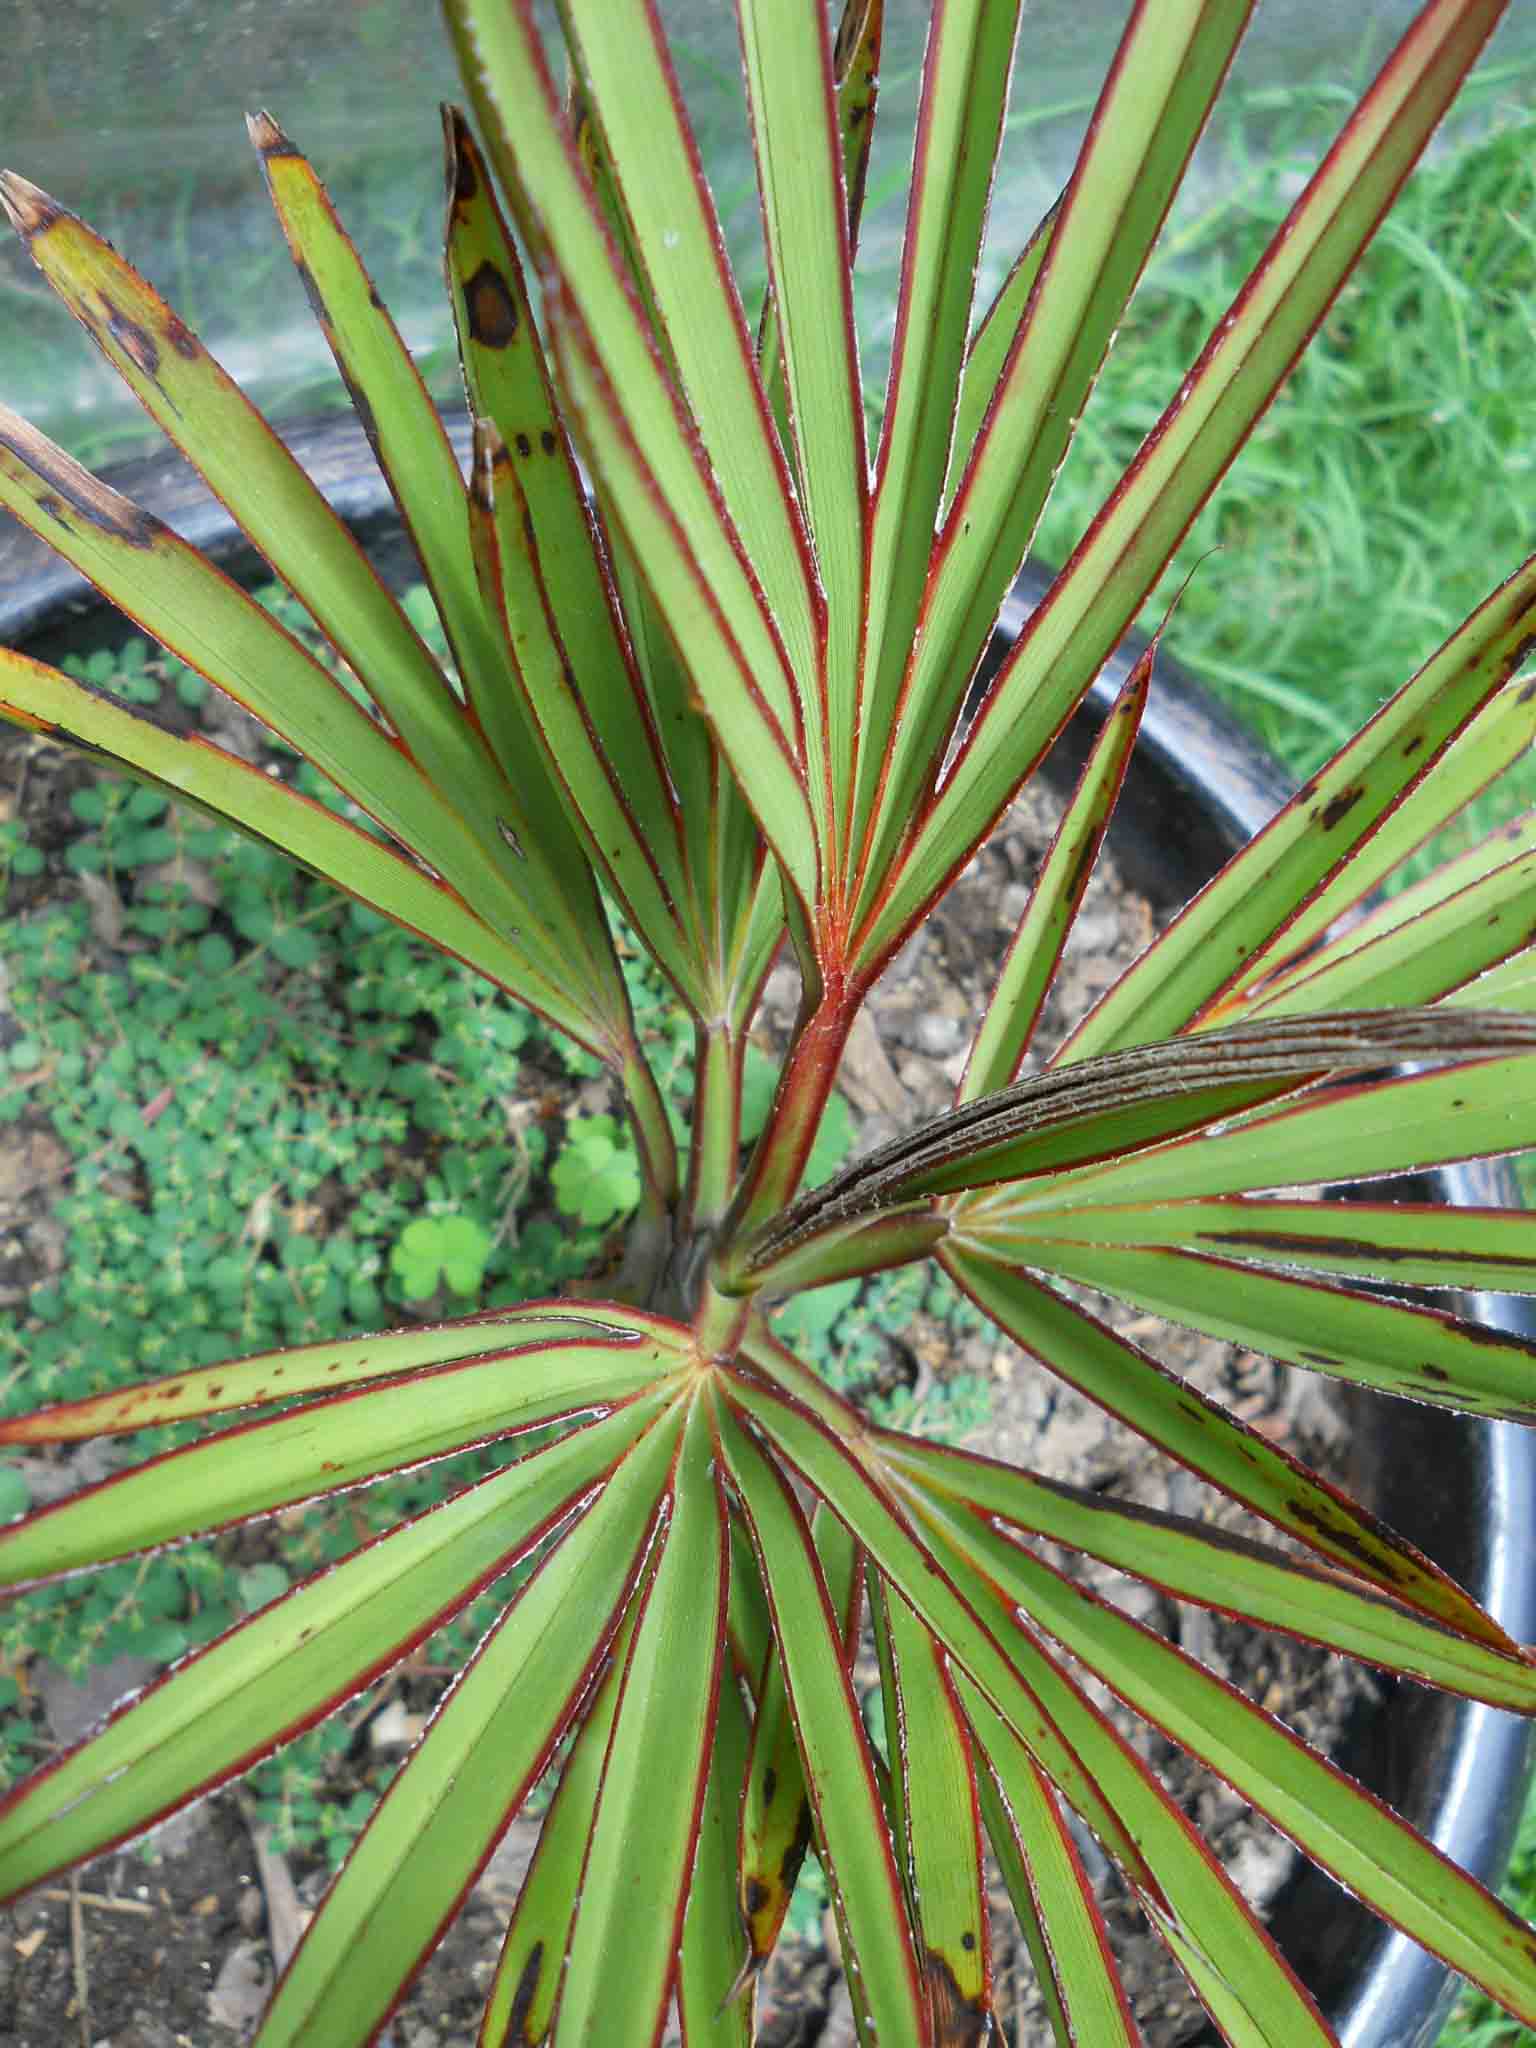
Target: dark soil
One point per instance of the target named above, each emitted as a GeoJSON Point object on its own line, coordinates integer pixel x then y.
{"type": "Point", "coordinates": [169, 1944]}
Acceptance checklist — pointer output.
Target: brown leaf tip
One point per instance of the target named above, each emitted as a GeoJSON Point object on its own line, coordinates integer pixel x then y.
{"type": "Point", "coordinates": [459, 155]}
{"type": "Point", "coordinates": [268, 139]}
{"type": "Point", "coordinates": [27, 206]}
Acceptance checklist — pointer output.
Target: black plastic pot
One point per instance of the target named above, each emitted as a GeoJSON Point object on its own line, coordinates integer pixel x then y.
{"type": "Point", "coordinates": [1464, 1491]}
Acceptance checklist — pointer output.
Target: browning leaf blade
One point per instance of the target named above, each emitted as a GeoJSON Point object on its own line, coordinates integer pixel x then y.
{"type": "Point", "coordinates": [1121, 1104]}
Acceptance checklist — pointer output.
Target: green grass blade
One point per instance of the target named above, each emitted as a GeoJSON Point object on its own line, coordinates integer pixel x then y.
{"type": "Point", "coordinates": [1340, 1825]}
{"type": "Point", "coordinates": [1410, 1244]}
{"type": "Point", "coordinates": [857, 1852]}
{"type": "Point", "coordinates": [938, 1827]}
{"type": "Point", "coordinates": [764, 757]}
{"type": "Point", "coordinates": [255, 1467]}
{"type": "Point", "coordinates": [623, 1952]}
{"type": "Point", "coordinates": [270, 1376]}
{"type": "Point", "coordinates": [714, 1953]}
{"type": "Point", "coordinates": [193, 769]}
{"type": "Point", "coordinates": [1213, 1444]}
{"type": "Point", "coordinates": [1096, 597]}
{"type": "Point", "coordinates": [1423, 1353]}
{"type": "Point", "coordinates": [1196, 1561]}
{"type": "Point", "coordinates": [1200, 1913]}
{"type": "Point", "coordinates": [1029, 965]}
{"type": "Point", "coordinates": [527, 1980]}
{"type": "Point", "coordinates": [226, 1705]}
{"type": "Point", "coordinates": [507, 379]}
{"type": "Point", "coordinates": [486, 1747]}
{"type": "Point", "coordinates": [1168, 69]}
{"type": "Point", "coordinates": [1068, 1941]}
{"type": "Point", "coordinates": [798, 141]}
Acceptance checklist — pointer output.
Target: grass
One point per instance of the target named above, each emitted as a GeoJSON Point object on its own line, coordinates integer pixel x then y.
{"type": "Point", "coordinates": [1387, 489]}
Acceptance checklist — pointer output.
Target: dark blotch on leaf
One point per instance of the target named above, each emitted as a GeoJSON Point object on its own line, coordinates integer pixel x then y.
{"type": "Point", "coordinates": [73, 739]}
{"type": "Point", "coordinates": [524, 445]}
{"type": "Point", "coordinates": [1379, 1561]}
{"type": "Point", "coordinates": [77, 489]}
{"type": "Point", "coordinates": [362, 408]}
{"type": "Point", "coordinates": [1500, 1340]}
{"type": "Point", "coordinates": [491, 308]}
{"type": "Point", "coordinates": [136, 342]}
{"type": "Point", "coordinates": [547, 441]}
{"type": "Point", "coordinates": [463, 183]}
{"type": "Point", "coordinates": [522, 1998]}
{"type": "Point", "coordinates": [958, 2021]}
{"type": "Point", "coordinates": [182, 339]}
{"type": "Point", "coordinates": [311, 291]}
{"type": "Point", "coordinates": [271, 143]}
{"type": "Point", "coordinates": [145, 714]}
{"type": "Point", "coordinates": [754, 1897]}
{"type": "Point", "coordinates": [770, 1785]}
{"type": "Point", "coordinates": [1336, 812]}
{"type": "Point", "coordinates": [31, 211]}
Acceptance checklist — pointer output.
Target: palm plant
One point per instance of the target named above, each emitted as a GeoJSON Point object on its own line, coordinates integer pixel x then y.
{"type": "Point", "coordinates": [725, 697]}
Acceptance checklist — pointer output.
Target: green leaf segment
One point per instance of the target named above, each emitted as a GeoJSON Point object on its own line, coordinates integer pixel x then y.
{"type": "Point", "coordinates": [713, 621]}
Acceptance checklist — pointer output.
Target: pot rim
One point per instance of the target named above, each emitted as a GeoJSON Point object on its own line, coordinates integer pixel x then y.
{"type": "Point", "coordinates": [1212, 785]}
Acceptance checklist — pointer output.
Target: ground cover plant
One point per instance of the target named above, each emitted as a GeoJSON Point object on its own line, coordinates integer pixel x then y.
{"type": "Point", "coordinates": [729, 701]}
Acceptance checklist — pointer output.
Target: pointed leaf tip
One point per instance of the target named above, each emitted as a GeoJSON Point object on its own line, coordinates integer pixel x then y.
{"type": "Point", "coordinates": [267, 138]}
{"type": "Point", "coordinates": [27, 206]}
